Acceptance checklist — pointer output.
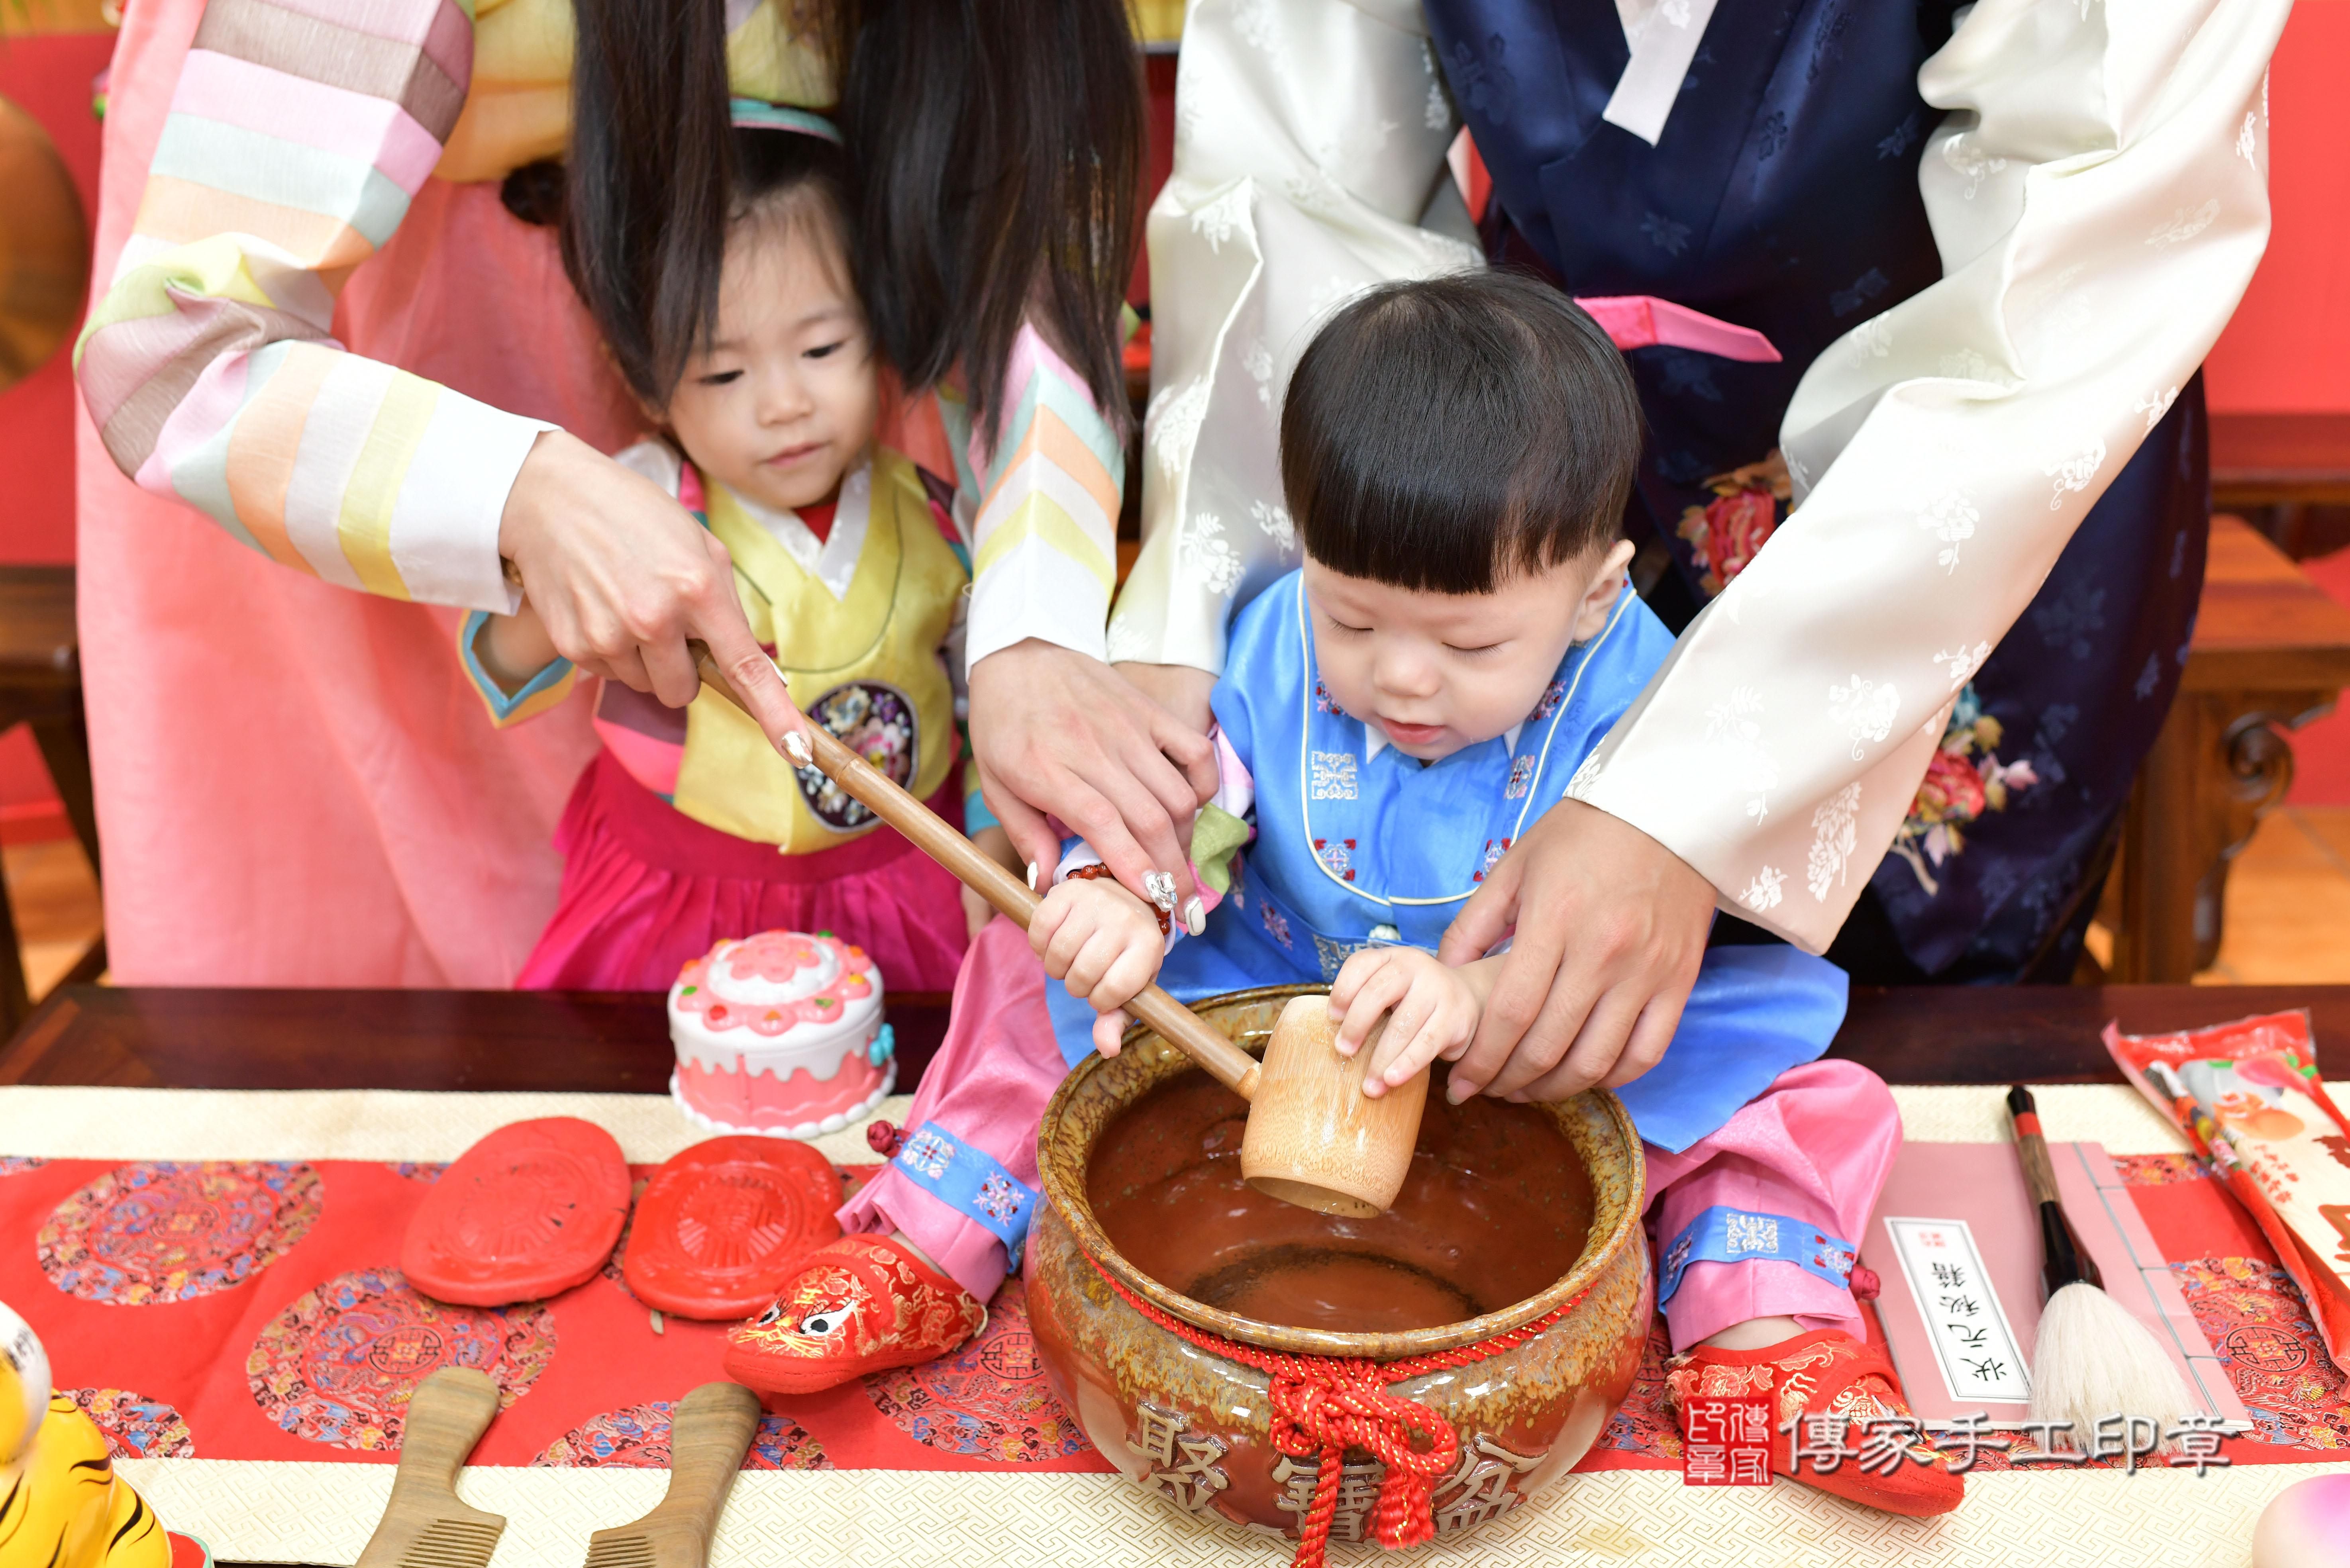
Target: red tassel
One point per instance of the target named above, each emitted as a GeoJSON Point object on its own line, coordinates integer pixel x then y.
{"type": "Point", "coordinates": [1325, 1405]}
{"type": "Point", "coordinates": [1404, 1517]}
{"type": "Point", "coordinates": [1314, 1529]}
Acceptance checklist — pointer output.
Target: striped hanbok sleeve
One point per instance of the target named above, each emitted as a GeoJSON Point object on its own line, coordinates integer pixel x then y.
{"type": "Point", "coordinates": [1044, 543]}
{"type": "Point", "coordinates": [297, 133]}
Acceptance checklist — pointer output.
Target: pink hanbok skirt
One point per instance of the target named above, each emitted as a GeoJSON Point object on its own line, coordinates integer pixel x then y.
{"type": "Point", "coordinates": [646, 888]}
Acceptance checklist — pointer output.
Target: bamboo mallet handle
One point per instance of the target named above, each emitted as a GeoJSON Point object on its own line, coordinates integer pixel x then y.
{"type": "Point", "coordinates": [928, 832]}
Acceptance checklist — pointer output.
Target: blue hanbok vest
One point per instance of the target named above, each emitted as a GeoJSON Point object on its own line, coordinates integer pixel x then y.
{"type": "Point", "coordinates": [1354, 847]}
{"type": "Point", "coordinates": [1783, 195]}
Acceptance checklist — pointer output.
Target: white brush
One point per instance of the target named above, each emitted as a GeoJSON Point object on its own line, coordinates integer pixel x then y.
{"type": "Point", "coordinates": [2093, 1360]}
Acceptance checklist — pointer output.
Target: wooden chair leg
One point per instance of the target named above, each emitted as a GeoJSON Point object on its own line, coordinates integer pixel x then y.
{"type": "Point", "coordinates": [64, 740]}
{"type": "Point", "coordinates": [16, 1002]}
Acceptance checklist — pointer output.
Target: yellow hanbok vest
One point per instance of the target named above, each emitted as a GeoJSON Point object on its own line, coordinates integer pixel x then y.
{"type": "Point", "coordinates": [864, 664]}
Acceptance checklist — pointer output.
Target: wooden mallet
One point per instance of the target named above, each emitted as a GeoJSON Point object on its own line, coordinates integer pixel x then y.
{"type": "Point", "coordinates": [1313, 1139]}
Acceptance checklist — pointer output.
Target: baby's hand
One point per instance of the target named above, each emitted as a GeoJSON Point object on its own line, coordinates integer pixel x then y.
{"type": "Point", "coordinates": [1435, 1009]}
{"type": "Point", "coordinates": [1103, 943]}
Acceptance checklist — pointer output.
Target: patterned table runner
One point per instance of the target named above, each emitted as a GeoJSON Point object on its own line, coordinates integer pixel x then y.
{"type": "Point", "coordinates": [263, 1401]}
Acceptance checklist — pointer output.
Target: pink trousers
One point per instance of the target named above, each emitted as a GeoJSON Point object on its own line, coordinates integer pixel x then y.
{"type": "Point", "coordinates": [1813, 1148]}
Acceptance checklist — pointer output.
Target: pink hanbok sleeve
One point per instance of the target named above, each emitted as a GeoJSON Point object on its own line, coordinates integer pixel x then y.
{"type": "Point", "coordinates": [298, 132]}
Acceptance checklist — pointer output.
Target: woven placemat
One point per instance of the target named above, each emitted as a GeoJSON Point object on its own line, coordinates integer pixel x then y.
{"type": "Point", "coordinates": [891, 1519]}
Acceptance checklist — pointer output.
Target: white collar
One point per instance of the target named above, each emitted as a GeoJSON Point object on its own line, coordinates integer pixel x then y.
{"type": "Point", "coordinates": [1662, 36]}
{"type": "Point", "coordinates": [831, 560]}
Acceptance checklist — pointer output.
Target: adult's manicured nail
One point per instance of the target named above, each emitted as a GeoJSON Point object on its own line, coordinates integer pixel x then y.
{"type": "Point", "coordinates": [1160, 889]}
{"type": "Point", "coordinates": [796, 747]}
{"type": "Point", "coordinates": [1032, 876]}
{"type": "Point", "coordinates": [1195, 917]}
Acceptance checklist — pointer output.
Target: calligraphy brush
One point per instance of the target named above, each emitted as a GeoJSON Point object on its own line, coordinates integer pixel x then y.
{"type": "Point", "coordinates": [2092, 1360]}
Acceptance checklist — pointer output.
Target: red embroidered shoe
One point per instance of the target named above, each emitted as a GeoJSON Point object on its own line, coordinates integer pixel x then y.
{"type": "Point", "coordinates": [1840, 1422]}
{"type": "Point", "coordinates": [857, 1305]}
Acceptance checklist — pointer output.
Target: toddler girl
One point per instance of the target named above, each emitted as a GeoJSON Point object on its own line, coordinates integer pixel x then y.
{"type": "Point", "coordinates": [688, 827]}
{"type": "Point", "coordinates": [1456, 455]}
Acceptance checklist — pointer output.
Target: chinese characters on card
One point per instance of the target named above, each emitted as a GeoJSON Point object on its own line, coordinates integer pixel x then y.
{"type": "Point", "coordinates": [1973, 1345]}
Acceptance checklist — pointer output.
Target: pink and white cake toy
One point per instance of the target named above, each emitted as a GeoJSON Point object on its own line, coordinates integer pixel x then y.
{"type": "Point", "coordinates": [780, 1034]}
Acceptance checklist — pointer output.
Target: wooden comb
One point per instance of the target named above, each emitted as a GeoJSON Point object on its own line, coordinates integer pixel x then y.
{"type": "Point", "coordinates": [424, 1525]}
{"type": "Point", "coordinates": [708, 1435]}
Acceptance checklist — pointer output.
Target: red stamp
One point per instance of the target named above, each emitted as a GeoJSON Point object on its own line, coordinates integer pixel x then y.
{"type": "Point", "coordinates": [1727, 1441]}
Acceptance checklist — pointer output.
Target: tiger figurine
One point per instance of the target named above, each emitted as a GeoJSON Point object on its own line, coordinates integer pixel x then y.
{"type": "Point", "coordinates": [61, 1504]}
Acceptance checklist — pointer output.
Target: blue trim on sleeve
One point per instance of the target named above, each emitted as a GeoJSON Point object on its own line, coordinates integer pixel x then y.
{"type": "Point", "coordinates": [503, 706]}
{"type": "Point", "coordinates": [970, 1181]}
{"type": "Point", "coordinates": [1725, 1235]}
{"type": "Point", "coordinates": [976, 817]}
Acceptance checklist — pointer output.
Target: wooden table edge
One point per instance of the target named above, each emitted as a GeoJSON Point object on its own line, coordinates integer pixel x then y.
{"type": "Point", "coordinates": [438, 1040]}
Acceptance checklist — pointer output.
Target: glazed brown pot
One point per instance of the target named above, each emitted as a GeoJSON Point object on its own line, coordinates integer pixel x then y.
{"type": "Point", "coordinates": [1193, 1426]}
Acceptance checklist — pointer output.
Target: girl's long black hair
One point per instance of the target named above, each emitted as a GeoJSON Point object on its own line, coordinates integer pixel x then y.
{"type": "Point", "coordinates": [995, 149]}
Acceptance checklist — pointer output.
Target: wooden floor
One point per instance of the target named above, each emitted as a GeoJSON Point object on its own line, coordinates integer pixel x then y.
{"type": "Point", "coordinates": [2288, 905]}
{"type": "Point", "coordinates": [55, 901]}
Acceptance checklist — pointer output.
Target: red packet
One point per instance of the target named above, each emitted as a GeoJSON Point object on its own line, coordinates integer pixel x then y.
{"type": "Point", "coordinates": [2279, 1130]}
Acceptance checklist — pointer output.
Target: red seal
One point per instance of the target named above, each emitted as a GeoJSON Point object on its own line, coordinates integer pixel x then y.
{"type": "Point", "coordinates": [721, 1224]}
{"type": "Point", "coordinates": [529, 1211]}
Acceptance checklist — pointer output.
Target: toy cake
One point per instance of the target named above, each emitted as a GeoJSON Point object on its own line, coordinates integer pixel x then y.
{"type": "Point", "coordinates": [780, 1034]}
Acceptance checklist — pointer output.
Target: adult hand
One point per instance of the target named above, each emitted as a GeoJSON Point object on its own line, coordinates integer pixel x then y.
{"type": "Point", "coordinates": [1180, 689]}
{"type": "Point", "coordinates": [1058, 733]}
{"type": "Point", "coordinates": [1611, 927]}
{"type": "Point", "coordinates": [622, 576]}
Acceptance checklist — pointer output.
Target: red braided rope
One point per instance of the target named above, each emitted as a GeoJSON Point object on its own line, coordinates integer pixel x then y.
{"type": "Point", "coordinates": [1325, 1405]}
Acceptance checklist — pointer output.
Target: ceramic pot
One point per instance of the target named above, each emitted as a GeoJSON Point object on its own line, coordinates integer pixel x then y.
{"type": "Point", "coordinates": [1194, 1425]}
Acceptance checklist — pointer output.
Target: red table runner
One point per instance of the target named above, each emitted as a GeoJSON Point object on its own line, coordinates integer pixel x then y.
{"type": "Point", "coordinates": [254, 1311]}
